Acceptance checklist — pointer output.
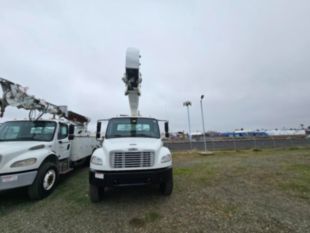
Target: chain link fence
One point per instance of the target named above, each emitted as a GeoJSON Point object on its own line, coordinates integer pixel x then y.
{"type": "Point", "coordinates": [239, 144]}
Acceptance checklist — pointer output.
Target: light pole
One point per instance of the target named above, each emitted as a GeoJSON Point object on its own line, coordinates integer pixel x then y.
{"type": "Point", "coordinates": [187, 104]}
{"type": "Point", "coordinates": [203, 123]}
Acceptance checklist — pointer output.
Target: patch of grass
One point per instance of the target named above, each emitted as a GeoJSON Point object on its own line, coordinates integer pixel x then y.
{"type": "Point", "coordinates": [294, 148]}
{"type": "Point", "coordinates": [227, 152]}
{"type": "Point", "coordinates": [230, 210]}
{"type": "Point", "coordinates": [152, 216]}
{"type": "Point", "coordinates": [196, 172]}
{"type": "Point", "coordinates": [182, 171]}
{"type": "Point", "coordinates": [297, 186]}
{"type": "Point", "coordinates": [257, 150]}
{"type": "Point", "coordinates": [231, 187]}
{"type": "Point", "coordinates": [148, 218]}
{"type": "Point", "coordinates": [299, 181]}
{"type": "Point", "coordinates": [204, 174]}
{"type": "Point", "coordinates": [239, 151]}
{"type": "Point", "coordinates": [137, 222]}
{"type": "Point", "coordinates": [225, 209]}
{"type": "Point", "coordinates": [302, 169]}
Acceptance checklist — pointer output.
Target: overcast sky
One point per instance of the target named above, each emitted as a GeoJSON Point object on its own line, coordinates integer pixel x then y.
{"type": "Point", "coordinates": [251, 59]}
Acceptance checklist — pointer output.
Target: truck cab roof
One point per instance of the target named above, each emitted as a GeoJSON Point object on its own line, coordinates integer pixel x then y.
{"type": "Point", "coordinates": [128, 117]}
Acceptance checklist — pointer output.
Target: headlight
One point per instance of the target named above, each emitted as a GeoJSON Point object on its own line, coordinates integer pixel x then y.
{"type": "Point", "coordinates": [24, 162]}
{"type": "Point", "coordinates": [96, 160]}
{"type": "Point", "coordinates": [166, 158]}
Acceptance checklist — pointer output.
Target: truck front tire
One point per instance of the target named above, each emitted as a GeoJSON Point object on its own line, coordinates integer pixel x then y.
{"type": "Point", "coordinates": [95, 193]}
{"type": "Point", "coordinates": [45, 182]}
{"type": "Point", "coordinates": [166, 187]}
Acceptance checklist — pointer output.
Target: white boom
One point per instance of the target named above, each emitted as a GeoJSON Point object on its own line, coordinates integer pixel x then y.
{"type": "Point", "coordinates": [16, 95]}
{"type": "Point", "coordinates": [132, 79]}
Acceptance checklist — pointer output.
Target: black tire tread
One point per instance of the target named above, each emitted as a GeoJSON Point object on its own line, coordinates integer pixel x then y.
{"type": "Point", "coordinates": [166, 187]}
{"type": "Point", "coordinates": [95, 193]}
{"type": "Point", "coordinates": [36, 191]}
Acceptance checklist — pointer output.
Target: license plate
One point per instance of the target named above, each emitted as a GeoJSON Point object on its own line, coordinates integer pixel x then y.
{"type": "Point", "coordinates": [99, 175]}
{"type": "Point", "coordinates": [9, 178]}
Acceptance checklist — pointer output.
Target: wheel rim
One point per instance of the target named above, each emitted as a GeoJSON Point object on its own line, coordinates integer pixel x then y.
{"type": "Point", "coordinates": [49, 179]}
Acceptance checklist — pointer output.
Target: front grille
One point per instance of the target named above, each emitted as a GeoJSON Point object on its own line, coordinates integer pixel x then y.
{"type": "Point", "coordinates": [132, 159]}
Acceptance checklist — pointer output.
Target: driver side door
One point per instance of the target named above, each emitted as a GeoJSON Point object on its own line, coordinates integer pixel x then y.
{"type": "Point", "coordinates": [63, 143]}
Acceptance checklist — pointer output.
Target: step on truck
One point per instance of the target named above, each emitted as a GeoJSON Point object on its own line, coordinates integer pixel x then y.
{"type": "Point", "coordinates": [34, 152]}
{"type": "Point", "coordinates": [132, 151]}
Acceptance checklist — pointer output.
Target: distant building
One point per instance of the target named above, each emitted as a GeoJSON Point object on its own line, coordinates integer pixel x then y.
{"type": "Point", "coordinates": [286, 132]}
{"type": "Point", "coordinates": [265, 133]}
{"type": "Point", "coordinates": [244, 133]}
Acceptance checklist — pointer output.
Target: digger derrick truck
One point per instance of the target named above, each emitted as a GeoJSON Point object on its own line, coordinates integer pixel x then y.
{"type": "Point", "coordinates": [132, 151]}
{"type": "Point", "coordinates": [34, 152]}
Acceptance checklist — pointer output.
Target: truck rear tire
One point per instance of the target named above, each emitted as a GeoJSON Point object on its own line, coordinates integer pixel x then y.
{"type": "Point", "coordinates": [95, 193]}
{"type": "Point", "coordinates": [45, 182]}
{"type": "Point", "coordinates": [166, 187]}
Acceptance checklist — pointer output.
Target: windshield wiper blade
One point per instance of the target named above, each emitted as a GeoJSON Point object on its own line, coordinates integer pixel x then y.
{"type": "Point", "coordinates": [117, 136]}
{"type": "Point", "coordinates": [144, 135]}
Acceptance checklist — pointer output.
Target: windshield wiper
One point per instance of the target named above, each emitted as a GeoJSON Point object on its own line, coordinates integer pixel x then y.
{"type": "Point", "coordinates": [117, 136]}
{"type": "Point", "coordinates": [144, 135]}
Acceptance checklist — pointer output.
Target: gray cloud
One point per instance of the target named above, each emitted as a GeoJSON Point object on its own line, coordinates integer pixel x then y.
{"type": "Point", "coordinates": [250, 58]}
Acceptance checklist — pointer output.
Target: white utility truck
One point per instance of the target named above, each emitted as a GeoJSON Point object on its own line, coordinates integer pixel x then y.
{"type": "Point", "coordinates": [132, 151]}
{"type": "Point", "coordinates": [35, 152]}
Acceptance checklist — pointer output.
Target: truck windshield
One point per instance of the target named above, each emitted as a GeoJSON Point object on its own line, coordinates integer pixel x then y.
{"type": "Point", "coordinates": [27, 131]}
{"type": "Point", "coordinates": [132, 127]}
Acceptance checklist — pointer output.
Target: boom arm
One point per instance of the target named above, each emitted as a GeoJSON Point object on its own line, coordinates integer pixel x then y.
{"type": "Point", "coordinates": [16, 95]}
{"type": "Point", "coordinates": [132, 79]}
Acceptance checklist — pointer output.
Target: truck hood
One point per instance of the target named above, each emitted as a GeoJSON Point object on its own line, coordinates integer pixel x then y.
{"type": "Point", "coordinates": [125, 144]}
{"type": "Point", "coordinates": [10, 150]}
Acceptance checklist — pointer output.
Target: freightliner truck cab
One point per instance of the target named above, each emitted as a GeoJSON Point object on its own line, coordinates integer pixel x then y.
{"type": "Point", "coordinates": [132, 153]}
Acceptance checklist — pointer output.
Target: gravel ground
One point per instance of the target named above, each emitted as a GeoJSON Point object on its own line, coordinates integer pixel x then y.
{"type": "Point", "coordinates": [244, 191]}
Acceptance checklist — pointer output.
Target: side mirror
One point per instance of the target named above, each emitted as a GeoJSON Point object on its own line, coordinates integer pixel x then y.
{"type": "Point", "coordinates": [71, 132]}
{"type": "Point", "coordinates": [98, 131]}
{"type": "Point", "coordinates": [167, 129]}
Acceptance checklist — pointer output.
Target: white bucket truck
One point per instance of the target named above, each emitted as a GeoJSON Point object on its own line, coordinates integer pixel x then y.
{"type": "Point", "coordinates": [35, 152]}
{"type": "Point", "coordinates": [132, 151]}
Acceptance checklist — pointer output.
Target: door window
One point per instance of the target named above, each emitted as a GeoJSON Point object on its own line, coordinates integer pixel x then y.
{"type": "Point", "coordinates": [63, 131]}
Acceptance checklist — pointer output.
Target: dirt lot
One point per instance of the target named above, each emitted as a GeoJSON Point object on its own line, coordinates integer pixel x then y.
{"type": "Point", "coordinates": [245, 191]}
